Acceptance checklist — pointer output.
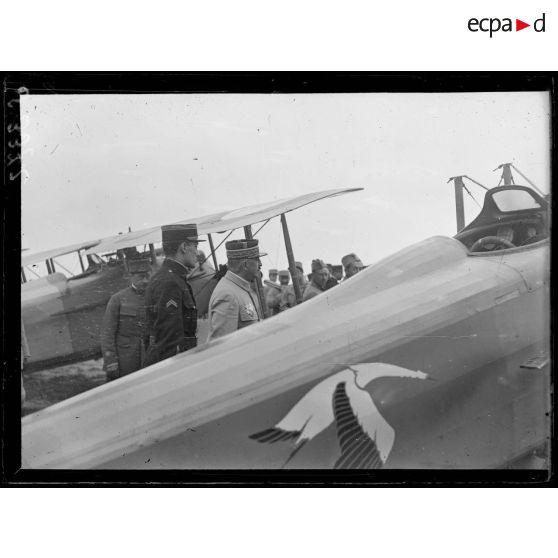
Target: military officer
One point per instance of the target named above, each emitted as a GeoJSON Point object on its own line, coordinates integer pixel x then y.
{"type": "Point", "coordinates": [352, 265]}
{"type": "Point", "coordinates": [287, 298]}
{"type": "Point", "coordinates": [234, 303]}
{"type": "Point", "coordinates": [202, 280]}
{"type": "Point", "coordinates": [170, 303]}
{"type": "Point", "coordinates": [300, 275]}
{"type": "Point", "coordinates": [123, 327]}
{"type": "Point", "coordinates": [319, 276]}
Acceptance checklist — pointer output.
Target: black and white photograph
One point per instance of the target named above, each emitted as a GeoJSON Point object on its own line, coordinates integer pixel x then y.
{"type": "Point", "coordinates": [285, 278]}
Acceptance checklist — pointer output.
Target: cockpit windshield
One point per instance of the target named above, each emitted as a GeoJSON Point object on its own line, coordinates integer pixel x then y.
{"type": "Point", "coordinates": [514, 200]}
{"type": "Point", "coordinates": [512, 216]}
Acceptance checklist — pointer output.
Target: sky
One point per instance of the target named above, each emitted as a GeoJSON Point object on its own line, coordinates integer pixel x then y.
{"type": "Point", "coordinates": [94, 165]}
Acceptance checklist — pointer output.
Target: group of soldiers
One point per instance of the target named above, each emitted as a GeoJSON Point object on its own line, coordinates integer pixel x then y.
{"type": "Point", "coordinates": [155, 317]}
{"type": "Point", "coordinates": [280, 294]}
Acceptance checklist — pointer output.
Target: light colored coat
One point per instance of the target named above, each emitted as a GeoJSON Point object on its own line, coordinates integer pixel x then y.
{"type": "Point", "coordinates": [311, 291]}
{"type": "Point", "coordinates": [233, 305]}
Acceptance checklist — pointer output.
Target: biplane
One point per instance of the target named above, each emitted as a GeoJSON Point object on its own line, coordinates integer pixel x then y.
{"type": "Point", "coordinates": [63, 316]}
{"type": "Point", "coordinates": [434, 357]}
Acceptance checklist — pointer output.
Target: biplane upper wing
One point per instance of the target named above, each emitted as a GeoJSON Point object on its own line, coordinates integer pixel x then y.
{"type": "Point", "coordinates": [36, 257]}
{"type": "Point", "coordinates": [218, 222]}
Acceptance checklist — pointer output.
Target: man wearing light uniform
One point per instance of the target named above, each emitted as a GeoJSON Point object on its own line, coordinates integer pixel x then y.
{"type": "Point", "coordinates": [234, 303]}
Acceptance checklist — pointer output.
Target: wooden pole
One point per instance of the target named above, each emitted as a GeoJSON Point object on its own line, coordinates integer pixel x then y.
{"type": "Point", "coordinates": [213, 254]}
{"type": "Point", "coordinates": [258, 280]}
{"type": "Point", "coordinates": [152, 253]}
{"type": "Point", "coordinates": [459, 207]}
{"type": "Point", "coordinates": [81, 261]}
{"type": "Point", "coordinates": [291, 260]}
{"type": "Point", "coordinates": [507, 174]}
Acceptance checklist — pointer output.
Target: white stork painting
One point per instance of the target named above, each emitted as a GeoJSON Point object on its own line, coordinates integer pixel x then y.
{"type": "Point", "coordinates": [365, 438]}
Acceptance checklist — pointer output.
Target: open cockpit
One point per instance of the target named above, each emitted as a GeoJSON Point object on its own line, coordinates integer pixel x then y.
{"type": "Point", "coordinates": [511, 217]}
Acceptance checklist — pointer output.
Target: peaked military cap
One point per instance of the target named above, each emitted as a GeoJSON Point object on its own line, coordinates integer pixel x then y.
{"type": "Point", "coordinates": [272, 271]}
{"type": "Point", "coordinates": [180, 233]}
{"type": "Point", "coordinates": [243, 249]}
{"type": "Point", "coordinates": [284, 273]}
{"type": "Point", "coordinates": [140, 265]}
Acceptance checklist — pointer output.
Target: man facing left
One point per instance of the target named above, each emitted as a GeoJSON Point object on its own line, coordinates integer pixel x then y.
{"type": "Point", "coordinates": [171, 308]}
{"type": "Point", "coordinates": [123, 327]}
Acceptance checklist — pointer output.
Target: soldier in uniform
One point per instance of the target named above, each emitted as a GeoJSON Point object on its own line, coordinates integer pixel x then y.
{"type": "Point", "coordinates": [270, 290]}
{"type": "Point", "coordinates": [331, 281]}
{"type": "Point", "coordinates": [234, 303]}
{"type": "Point", "coordinates": [123, 327]}
{"type": "Point", "coordinates": [320, 273]}
{"type": "Point", "coordinates": [352, 265]}
{"type": "Point", "coordinates": [202, 280]}
{"type": "Point", "coordinates": [280, 297]}
{"type": "Point", "coordinates": [302, 281]}
{"type": "Point", "coordinates": [171, 308]}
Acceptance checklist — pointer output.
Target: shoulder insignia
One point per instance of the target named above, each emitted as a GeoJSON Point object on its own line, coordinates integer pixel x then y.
{"type": "Point", "coordinates": [171, 302]}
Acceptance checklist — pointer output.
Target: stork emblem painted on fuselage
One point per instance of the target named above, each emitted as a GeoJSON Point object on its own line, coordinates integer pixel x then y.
{"type": "Point", "coordinates": [365, 437]}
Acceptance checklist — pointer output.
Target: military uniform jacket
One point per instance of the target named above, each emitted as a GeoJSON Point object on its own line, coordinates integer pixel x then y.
{"type": "Point", "coordinates": [311, 291]}
{"type": "Point", "coordinates": [123, 331]}
{"type": "Point", "coordinates": [233, 305]}
{"type": "Point", "coordinates": [171, 313]}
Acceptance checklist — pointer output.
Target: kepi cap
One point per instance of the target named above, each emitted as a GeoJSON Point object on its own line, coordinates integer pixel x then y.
{"type": "Point", "coordinates": [180, 233]}
{"type": "Point", "coordinates": [243, 249]}
{"type": "Point", "coordinates": [284, 273]}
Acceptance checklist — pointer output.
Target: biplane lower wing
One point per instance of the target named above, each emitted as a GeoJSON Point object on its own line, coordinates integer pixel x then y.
{"type": "Point", "coordinates": [468, 322]}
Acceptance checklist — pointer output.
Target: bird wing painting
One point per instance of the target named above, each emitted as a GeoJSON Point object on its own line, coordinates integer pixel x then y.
{"type": "Point", "coordinates": [365, 438]}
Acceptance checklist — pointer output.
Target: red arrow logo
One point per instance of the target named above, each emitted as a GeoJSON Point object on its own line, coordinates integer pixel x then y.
{"type": "Point", "coordinates": [519, 25]}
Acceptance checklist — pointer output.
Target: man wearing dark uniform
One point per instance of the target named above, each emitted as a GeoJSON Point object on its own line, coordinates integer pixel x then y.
{"type": "Point", "coordinates": [171, 308]}
{"type": "Point", "coordinates": [123, 327]}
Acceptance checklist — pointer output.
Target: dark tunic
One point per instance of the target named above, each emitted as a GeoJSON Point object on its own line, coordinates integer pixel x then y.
{"type": "Point", "coordinates": [331, 282]}
{"type": "Point", "coordinates": [171, 313]}
{"type": "Point", "coordinates": [123, 332]}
